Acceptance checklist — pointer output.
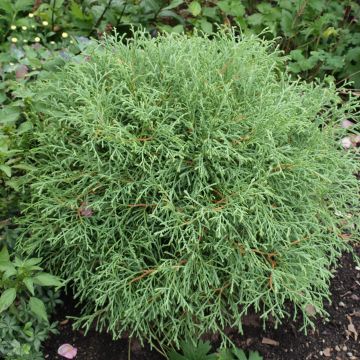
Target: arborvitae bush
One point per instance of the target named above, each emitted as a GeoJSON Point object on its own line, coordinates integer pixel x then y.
{"type": "Point", "coordinates": [180, 183]}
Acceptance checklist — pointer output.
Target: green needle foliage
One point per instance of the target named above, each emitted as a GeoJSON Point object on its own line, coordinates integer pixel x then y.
{"type": "Point", "coordinates": [181, 182]}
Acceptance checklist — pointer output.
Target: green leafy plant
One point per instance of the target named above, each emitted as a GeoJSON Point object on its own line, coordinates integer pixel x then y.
{"type": "Point", "coordinates": [186, 181]}
{"type": "Point", "coordinates": [238, 354]}
{"type": "Point", "coordinates": [201, 350]}
{"type": "Point", "coordinates": [23, 313]}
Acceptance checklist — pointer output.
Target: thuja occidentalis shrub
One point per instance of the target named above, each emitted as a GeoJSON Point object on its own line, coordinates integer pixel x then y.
{"type": "Point", "coordinates": [180, 183]}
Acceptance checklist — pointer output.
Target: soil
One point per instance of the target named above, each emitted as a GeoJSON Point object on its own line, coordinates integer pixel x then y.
{"type": "Point", "coordinates": [337, 339]}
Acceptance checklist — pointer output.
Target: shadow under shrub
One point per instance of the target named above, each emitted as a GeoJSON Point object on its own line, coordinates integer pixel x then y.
{"type": "Point", "coordinates": [180, 182]}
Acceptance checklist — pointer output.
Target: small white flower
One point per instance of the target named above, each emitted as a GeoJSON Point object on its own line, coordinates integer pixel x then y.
{"type": "Point", "coordinates": [14, 40]}
{"type": "Point", "coordinates": [33, 26]}
{"type": "Point", "coordinates": [45, 23]}
{"type": "Point", "coordinates": [11, 64]}
{"type": "Point", "coordinates": [71, 42]}
{"type": "Point", "coordinates": [13, 27]}
{"type": "Point", "coordinates": [52, 42]}
{"type": "Point", "coordinates": [24, 28]}
{"type": "Point", "coordinates": [31, 15]}
{"type": "Point", "coordinates": [37, 39]}
{"type": "Point", "coordinates": [65, 35]}
{"type": "Point", "coordinates": [25, 40]}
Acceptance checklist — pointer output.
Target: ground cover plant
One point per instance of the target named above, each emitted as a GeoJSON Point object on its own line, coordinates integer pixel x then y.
{"type": "Point", "coordinates": [186, 181]}
{"type": "Point", "coordinates": [24, 307]}
{"type": "Point", "coordinates": [202, 351]}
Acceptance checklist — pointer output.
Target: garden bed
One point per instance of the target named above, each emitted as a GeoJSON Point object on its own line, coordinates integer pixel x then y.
{"type": "Point", "coordinates": [336, 339]}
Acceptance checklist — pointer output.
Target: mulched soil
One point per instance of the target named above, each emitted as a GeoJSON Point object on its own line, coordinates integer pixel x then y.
{"type": "Point", "coordinates": [336, 339]}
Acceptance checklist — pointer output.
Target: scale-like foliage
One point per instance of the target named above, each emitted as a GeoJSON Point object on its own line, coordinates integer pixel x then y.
{"type": "Point", "coordinates": [181, 182]}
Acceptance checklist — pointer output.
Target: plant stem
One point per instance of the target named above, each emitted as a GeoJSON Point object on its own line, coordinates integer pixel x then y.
{"type": "Point", "coordinates": [53, 15]}
{"type": "Point", "coordinates": [100, 17]}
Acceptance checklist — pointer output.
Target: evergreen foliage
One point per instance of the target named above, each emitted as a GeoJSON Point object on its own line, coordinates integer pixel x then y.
{"type": "Point", "coordinates": [181, 182]}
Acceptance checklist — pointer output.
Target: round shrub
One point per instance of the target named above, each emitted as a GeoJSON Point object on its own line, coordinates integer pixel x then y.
{"type": "Point", "coordinates": [181, 182]}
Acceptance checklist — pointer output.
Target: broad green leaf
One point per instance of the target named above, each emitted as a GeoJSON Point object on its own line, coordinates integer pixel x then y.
{"type": "Point", "coordinates": [173, 355]}
{"type": "Point", "coordinates": [38, 308]}
{"type": "Point", "coordinates": [7, 266]}
{"type": "Point", "coordinates": [22, 5]}
{"type": "Point", "coordinates": [334, 62]}
{"type": "Point", "coordinates": [7, 6]}
{"type": "Point", "coordinates": [254, 355]}
{"type": "Point", "coordinates": [178, 29]}
{"type": "Point", "coordinates": [239, 354]}
{"type": "Point", "coordinates": [2, 97]}
{"type": "Point", "coordinates": [317, 4]}
{"type": "Point", "coordinates": [24, 127]}
{"type": "Point", "coordinates": [231, 7]}
{"type": "Point", "coordinates": [265, 8]}
{"type": "Point", "coordinates": [286, 22]}
{"type": "Point", "coordinates": [9, 115]}
{"type": "Point", "coordinates": [197, 352]}
{"type": "Point", "coordinates": [226, 354]}
{"type": "Point", "coordinates": [195, 8]}
{"type": "Point", "coordinates": [45, 279]}
{"type": "Point", "coordinates": [58, 3]}
{"type": "Point", "coordinates": [28, 282]}
{"type": "Point", "coordinates": [9, 271]}
{"type": "Point", "coordinates": [7, 298]}
{"type": "Point", "coordinates": [255, 19]}
{"type": "Point", "coordinates": [32, 262]}
{"type": "Point", "coordinates": [171, 14]}
{"type": "Point", "coordinates": [4, 255]}
{"type": "Point", "coordinates": [76, 11]}
{"type": "Point", "coordinates": [173, 4]}
{"type": "Point", "coordinates": [6, 169]}
{"type": "Point", "coordinates": [206, 26]}
{"type": "Point", "coordinates": [297, 55]}
{"type": "Point", "coordinates": [286, 4]}
{"type": "Point", "coordinates": [210, 12]}
{"type": "Point", "coordinates": [151, 5]}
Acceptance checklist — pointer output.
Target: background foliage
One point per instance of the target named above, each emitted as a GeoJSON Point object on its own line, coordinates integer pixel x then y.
{"type": "Point", "coordinates": [24, 307]}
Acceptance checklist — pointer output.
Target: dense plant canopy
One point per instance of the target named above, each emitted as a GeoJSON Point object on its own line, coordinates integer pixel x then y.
{"type": "Point", "coordinates": [180, 182]}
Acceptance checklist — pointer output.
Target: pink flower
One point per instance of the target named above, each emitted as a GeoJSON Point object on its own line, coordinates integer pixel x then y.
{"type": "Point", "coordinates": [346, 123]}
{"type": "Point", "coordinates": [21, 71]}
{"type": "Point", "coordinates": [67, 351]}
{"type": "Point", "coordinates": [85, 210]}
{"type": "Point", "coordinates": [346, 142]}
{"type": "Point", "coordinates": [350, 141]}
